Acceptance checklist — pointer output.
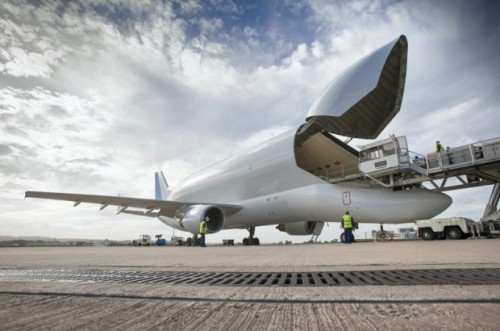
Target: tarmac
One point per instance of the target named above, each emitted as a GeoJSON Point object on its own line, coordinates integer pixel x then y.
{"type": "Point", "coordinates": [64, 305]}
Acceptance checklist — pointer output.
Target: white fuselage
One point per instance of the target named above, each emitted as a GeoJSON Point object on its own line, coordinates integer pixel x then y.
{"type": "Point", "coordinates": [272, 189]}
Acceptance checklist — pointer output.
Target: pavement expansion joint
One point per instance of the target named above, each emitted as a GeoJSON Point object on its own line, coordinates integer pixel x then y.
{"type": "Point", "coordinates": [478, 276]}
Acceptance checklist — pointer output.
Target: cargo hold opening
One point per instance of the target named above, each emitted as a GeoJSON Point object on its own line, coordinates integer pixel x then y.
{"type": "Point", "coordinates": [321, 154]}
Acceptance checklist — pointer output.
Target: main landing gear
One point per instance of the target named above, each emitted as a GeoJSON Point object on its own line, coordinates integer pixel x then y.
{"type": "Point", "coordinates": [251, 240]}
{"type": "Point", "coordinates": [192, 241]}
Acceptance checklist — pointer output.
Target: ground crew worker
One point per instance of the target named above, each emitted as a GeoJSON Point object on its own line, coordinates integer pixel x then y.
{"type": "Point", "coordinates": [439, 147]}
{"type": "Point", "coordinates": [347, 224]}
{"type": "Point", "coordinates": [203, 230]}
{"type": "Point", "coordinates": [450, 154]}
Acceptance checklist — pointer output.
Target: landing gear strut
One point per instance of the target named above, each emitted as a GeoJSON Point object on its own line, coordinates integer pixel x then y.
{"type": "Point", "coordinates": [251, 240]}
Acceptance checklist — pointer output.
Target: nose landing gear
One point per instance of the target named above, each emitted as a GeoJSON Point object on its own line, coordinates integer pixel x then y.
{"type": "Point", "coordinates": [383, 235]}
{"type": "Point", "coordinates": [342, 237]}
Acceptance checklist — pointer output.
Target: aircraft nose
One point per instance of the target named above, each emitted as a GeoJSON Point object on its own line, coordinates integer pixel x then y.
{"type": "Point", "coordinates": [443, 201]}
{"type": "Point", "coordinates": [435, 203]}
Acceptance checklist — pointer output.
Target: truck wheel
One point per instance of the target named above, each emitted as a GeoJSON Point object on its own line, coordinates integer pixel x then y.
{"type": "Point", "coordinates": [427, 234]}
{"type": "Point", "coordinates": [342, 237]}
{"type": "Point", "coordinates": [453, 233]}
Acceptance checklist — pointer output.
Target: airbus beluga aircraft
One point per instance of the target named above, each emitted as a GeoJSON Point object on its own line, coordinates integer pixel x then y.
{"type": "Point", "coordinates": [279, 183]}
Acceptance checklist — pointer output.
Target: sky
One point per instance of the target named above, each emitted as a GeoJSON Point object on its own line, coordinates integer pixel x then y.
{"type": "Point", "coordinates": [95, 96]}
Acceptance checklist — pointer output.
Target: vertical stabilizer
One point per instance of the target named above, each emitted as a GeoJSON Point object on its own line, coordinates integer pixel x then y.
{"type": "Point", "coordinates": [161, 187]}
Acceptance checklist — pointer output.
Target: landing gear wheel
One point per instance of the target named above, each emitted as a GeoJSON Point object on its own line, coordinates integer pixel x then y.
{"type": "Point", "coordinates": [453, 233]}
{"type": "Point", "coordinates": [427, 234]}
{"type": "Point", "coordinates": [189, 241]}
{"type": "Point", "coordinates": [251, 240]}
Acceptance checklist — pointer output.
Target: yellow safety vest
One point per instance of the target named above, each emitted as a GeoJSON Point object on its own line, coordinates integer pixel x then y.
{"type": "Point", "coordinates": [347, 221]}
{"type": "Point", "coordinates": [203, 227]}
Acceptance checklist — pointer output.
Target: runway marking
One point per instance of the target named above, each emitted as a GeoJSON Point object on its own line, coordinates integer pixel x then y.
{"type": "Point", "coordinates": [254, 301]}
{"type": "Point", "coordinates": [482, 276]}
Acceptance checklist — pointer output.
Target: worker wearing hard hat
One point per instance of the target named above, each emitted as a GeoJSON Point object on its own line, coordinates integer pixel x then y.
{"type": "Point", "coordinates": [203, 230]}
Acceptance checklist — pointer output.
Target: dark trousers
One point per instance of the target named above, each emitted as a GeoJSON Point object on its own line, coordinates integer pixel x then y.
{"type": "Point", "coordinates": [348, 235]}
{"type": "Point", "coordinates": [202, 240]}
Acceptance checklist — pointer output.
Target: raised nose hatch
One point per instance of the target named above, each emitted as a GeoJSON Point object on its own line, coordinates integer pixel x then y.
{"type": "Point", "coordinates": [361, 101]}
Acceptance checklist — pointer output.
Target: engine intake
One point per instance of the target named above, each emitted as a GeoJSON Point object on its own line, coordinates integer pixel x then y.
{"type": "Point", "coordinates": [189, 218]}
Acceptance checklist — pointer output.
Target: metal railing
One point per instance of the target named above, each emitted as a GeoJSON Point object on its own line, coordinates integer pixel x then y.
{"type": "Point", "coordinates": [342, 171]}
{"type": "Point", "coordinates": [465, 155]}
{"type": "Point", "coordinates": [454, 158]}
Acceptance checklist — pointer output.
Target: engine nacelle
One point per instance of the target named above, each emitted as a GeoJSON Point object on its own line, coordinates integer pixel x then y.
{"type": "Point", "coordinates": [298, 228]}
{"type": "Point", "coordinates": [189, 218]}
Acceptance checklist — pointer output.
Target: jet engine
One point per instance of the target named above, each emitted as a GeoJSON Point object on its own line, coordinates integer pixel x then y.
{"type": "Point", "coordinates": [189, 218]}
{"type": "Point", "coordinates": [298, 228]}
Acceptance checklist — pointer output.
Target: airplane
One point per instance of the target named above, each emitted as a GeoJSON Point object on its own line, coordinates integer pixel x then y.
{"type": "Point", "coordinates": [280, 181]}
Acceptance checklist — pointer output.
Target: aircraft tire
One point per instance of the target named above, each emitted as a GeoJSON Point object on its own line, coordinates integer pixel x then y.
{"type": "Point", "coordinates": [189, 241]}
{"type": "Point", "coordinates": [256, 241]}
{"type": "Point", "coordinates": [245, 241]}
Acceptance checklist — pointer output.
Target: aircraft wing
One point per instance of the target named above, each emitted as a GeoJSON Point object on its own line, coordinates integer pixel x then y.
{"type": "Point", "coordinates": [151, 207]}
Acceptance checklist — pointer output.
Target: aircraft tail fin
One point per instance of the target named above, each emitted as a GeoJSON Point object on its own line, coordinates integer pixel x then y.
{"type": "Point", "coordinates": [161, 186]}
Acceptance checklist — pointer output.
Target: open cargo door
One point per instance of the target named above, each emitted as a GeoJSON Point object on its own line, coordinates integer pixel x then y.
{"type": "Point", "coordinates": [361, 101]}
